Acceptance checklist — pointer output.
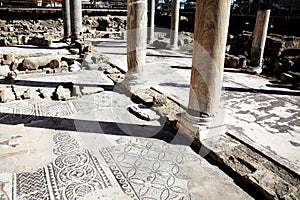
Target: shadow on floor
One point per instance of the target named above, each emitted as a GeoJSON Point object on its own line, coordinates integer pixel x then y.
{"type": "Point", "coordinates": [181, 67]}
{"type": "Point", "coordinates": [50, 84]}
{"type": "Point", "coordinates": [163, 132]}
{"type": "Point", "coordinates": [263, 91]}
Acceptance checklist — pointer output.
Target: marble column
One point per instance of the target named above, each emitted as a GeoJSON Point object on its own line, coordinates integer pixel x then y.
{"type": "Point", "coordinates": [174, 23]}
{"type": "Point", "coordinates": [136, 34]}
{"type": "Point", "coordinates": [66, 18]}
{"type": "Point", "coordinates": [259, 41]}
{"type": "Point", "coordinates": [210, 35]}
{"type": "Point", "coordinates": [76, 20]}
{"type": "Point", "coordinates": [151, 11]}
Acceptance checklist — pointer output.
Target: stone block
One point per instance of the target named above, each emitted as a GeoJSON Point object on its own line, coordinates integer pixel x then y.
{"type": "Point", "coordinates": [6, 95]}
{"type": "Point", "coordinates": [61, 93]}
{"type": "Point", "coordinates": [8, 58]}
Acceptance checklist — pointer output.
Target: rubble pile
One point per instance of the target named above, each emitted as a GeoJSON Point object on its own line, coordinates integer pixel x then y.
{"type": "Point", "coordinates": [28, 32]}
{"type": "Point", "coordinates": [281, 56]}
{"type": "Point", "coordinates": [44, 32]}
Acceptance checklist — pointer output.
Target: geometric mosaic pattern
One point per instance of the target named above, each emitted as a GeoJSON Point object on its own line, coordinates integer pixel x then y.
{"type": "Point", "coordinates": [73, 174]}
{"type": "Point", "coordinates": [144, 169]}
{"type": "Point", "coordinates": [148, 169]}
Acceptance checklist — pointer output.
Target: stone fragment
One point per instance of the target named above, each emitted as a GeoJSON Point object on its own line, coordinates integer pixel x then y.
{"type": "Point", "coordinates": [87, 47]}
{"type": "Point", "coordinates": [6, 95]}
{"type": "Point", "coordinates": [117, 78]}
{"type": "Point", "coordinates": [76, 92]}
{"type": "Point", "coordinates": [61, 93]}
{"type": "Point", "coordinates": [286, 78]}
{"type": "Point", "coordinates": [15, 65]}
{"type": "Point", "coordinates": [75, 67]}
{"type": "Point", "coordinates": [242, 62]}
{"type": "Point", "coordinates": [160, 99]}
{"type": "Point", "coordinates": [48, 70]}
{"type": "Point", "coordinates": [29, 64]}
{"type": "Point", "coordinates": [42, 93]}
{"type": "Point", "coordinates": [8, 58]}
{"type": "Point", "coordinates": [12, 75]}
{"type": "Point", "coordinates": [74, 51]}
{"type": "Point", "coordinates": [138, 112]}
{"type": "Point", "coordinates": [55, 63]}
{"type": "Point", "coordinates": [64, 64]}
{"type": "Point", "coordinates": [160, 44]}
{"type": "Point", "coordinates": [26, 94]}
{"type": "Point", "coordinates": [112, 71]}
{"type": "Point", "coordinates": [233, 62]}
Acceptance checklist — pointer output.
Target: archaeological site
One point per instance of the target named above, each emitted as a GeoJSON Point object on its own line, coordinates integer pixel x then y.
{"type": "Point", "coordinates": [149, 99]}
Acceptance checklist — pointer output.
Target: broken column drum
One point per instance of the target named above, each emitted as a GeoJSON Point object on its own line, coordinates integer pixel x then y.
{"type": "Point", "coordinates": [66, 18]}
{"type": "Point", "coordinates": [174, 23]}
{"type": "Point", "coordinates": [211, 28]}
{"type": "Point", "coordinates": [76, 19]}
{"type": "Point", "coordinates": [259, 38]}
{"type": "Point", "coordinates": [136, 34]}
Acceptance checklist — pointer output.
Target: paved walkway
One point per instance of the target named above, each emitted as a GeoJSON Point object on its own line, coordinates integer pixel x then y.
{"type": "Point", "coordinates": [93, 148]}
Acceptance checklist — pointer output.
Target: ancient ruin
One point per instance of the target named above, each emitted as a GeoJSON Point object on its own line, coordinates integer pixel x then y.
{"type": "Point", "coordinates": [149, 100]}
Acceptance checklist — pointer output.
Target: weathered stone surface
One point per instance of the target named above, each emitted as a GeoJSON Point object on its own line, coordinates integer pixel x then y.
{"type": "Point", "coordinates": [8, 59]}
{"type": "Point", "coordinates": [91, 90]}
{"type": "Point", "coordinates": [29, 64]}
{"type": "Point", "coordinates": [160, 99]}
{"type": "Point", "coordinates": [160, 44]}
{"type": "Point", "coordinates": [27, 94]}
{"type": "Point", "coordinates": [75, 67]}
{"type": "Point", "coordinates": [61, 93]}
{"type": "Point", "coordinates": [112, 71]}
{"type": "Point", "coordinates": [137, 111]}
{"type": "Point", "coordinates": [117, 78]}
{"type": "Point", "coordinates": [286, 78]}
{"type": "Point", "coordinates": [233, 62]}
{"type": "Point", "coordinates": [76, 92]}
{"type": "Point", "coordinates": [42, 93]}
{"type": "Point", "coordinates": [12, 75]}
{"type": "Point", "coordinates": [55, 63]}
{"type": "Point", "coordinates": [34, 63]}
{"type": "Point", "coordinates": [6, 95]}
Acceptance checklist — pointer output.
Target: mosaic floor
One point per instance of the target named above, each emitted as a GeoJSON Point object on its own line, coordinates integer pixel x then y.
{"type": "Point", "coordinates": [133, 168]}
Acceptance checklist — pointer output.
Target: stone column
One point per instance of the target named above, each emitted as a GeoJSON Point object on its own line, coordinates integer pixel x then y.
{"type": "Point", "coordinates": [174, 23]}
{"type": "Point", "coordinates": [210, 35]}
{"type": "Point", "coordinates": [136, 34]}
{"type": "Point", "coordinates": [66, 18]}
{"type": "Point", "coordinates": [151, 11]}
{"type": "Point", "coordinates": [259, 40]}
{"type": "Point", "coordinates": [76, 20]}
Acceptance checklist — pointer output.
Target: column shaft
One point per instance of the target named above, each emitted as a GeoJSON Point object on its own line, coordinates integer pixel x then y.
{"type": "Point", "coordinates": [259, 38]}
{"type": "Point", "coordinates": [76, 19]}
{"type": "Point", "coordinates": [211, 28]}
{"type": "Point", "coordinates": [136, 34]}
{"type": "Point", "coordinates": [66, 18]}
{"type": "Point", "coordinates": [174, 23]}
{"type": "Point", "coordinates": [151, 11]}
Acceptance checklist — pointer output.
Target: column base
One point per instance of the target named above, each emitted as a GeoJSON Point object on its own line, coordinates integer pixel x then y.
{"type": "Point", "coordinates": [131, 82]}
{"type": "Point", "coordinates": [254, 70]}
{"type": "Point", "coordinates": [199, 128]}
{"type": "Point", "coordinates": [76, 37]}
{"type": "Point", "coordinates": [173, 47]}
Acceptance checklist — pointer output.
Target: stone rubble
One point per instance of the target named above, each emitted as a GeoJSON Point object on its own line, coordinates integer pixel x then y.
{"type": "Point", "coordinates": [281, 56]}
